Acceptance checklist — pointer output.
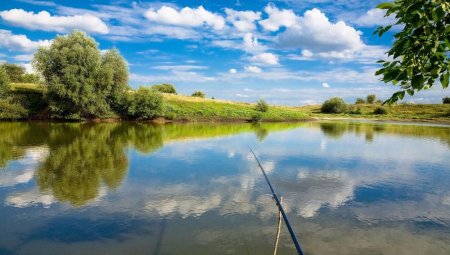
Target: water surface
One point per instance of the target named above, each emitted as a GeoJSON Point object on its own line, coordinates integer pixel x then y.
{"type": "Point", "coordinates": [348, 188]}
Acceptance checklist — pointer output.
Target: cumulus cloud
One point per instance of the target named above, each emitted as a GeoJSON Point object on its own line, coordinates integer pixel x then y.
{"type": "Point", "coordinates": [315, 33]}
{"type": "Point", "coordinates": [243, 21]}
{"type": "Point", "coordinates": [251, 43]}
{"type": "Point", "coordinates": [265, 58]}
{"type": "Point", "coordinates": [46, 22]}
{"type": "Point", "coordinates": [232, 70]}
{"type": "Point", "coordinates": [375, 17]}
{"type": "Point", "coordinates": [253, 69]}
{"type": "Point", "coordinates": [325, 85]}
{"type": "Point", "coordinates": [191, 17]}
{"type": "Point", "coordinates": [278, 18]}
{"type": "Point", "coordinates": [19, 42]}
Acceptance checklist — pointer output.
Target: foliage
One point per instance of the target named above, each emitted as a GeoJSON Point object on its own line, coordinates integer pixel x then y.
{"type": "Point", "coordinates": [360, 101]}
{"type": "Point", "coordinates": [198, 94]}
{"type": "Point", "coordinates": [114, 78]}
{"type": "Point", "coordinates": [71, 67]}
{"type": "Point", "coordinates": [30, 78]}
{"type": "Point", "coordinates": [257, 117]}
{"type": "Point", "coordinates": [262, 106]}
{"type": "Point", "coordinates": [11, 110]}
{"type": "Point", "coordinates": [420, 54]}
{"type": "Point", "coordinates": [4, 83]}
{"type": "Point", "coordinates": [145, 103]}
{"type": "Point", "coordinates": [334, 105]}
{"type": "Point", "coordinates": [380, 110]}
{"type": "Point", "coordinates": [354, 110]}
{"type": "Point", "coordinates": [446, 100]}
{"type": "Point", "coordinates": [165, 88]}
{"type": "Point", "coordinates": [371, 99]}
{"type": "Point", "coordinates": [14, 72]}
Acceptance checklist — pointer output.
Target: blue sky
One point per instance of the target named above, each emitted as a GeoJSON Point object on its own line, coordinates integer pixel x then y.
{"type": "Point", "coordinates": [286, 51]}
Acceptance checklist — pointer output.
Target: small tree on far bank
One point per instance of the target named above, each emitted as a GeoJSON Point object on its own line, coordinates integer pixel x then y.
{"type": "Point", "coordinates": [360, 101]}
{"type": "Point", "coordinates": [198, 94]}
{"type": "Point", "coordinates": [262, 106]}
{"type": "Point", "coordinates": [165, 88]}
{"type": "Point", "coordinates": [145, 103]}
{"type": "Point", "coordinates": [14, 71]}
{"type": "Point", "coordinates": [371, 99]}
{"type": "Point", "coordinates": [334, 105]}
{"type": "Point", "coordinates": [4, 83]}
{"type": "Point", "coordinates": [446, 100]}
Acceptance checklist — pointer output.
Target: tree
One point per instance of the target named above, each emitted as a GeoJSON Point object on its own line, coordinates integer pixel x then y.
{"type": "Point", "coordinates": [30, 78]}
{"type": "Point", "coordinates": [334, 105]}
{"type": "Point", "coordinates": [71, 68]}
{"type": "Point", "coordinates": [262, 106]}
{"type": "Point", "coordinates": [165, 88]}
{"type": "Point", "coordinates": [420, 53]}
{"type": "Point", "coordinates": [446, 100]}
{"type": "Point", "coordinates": [198, 94]}
{"type": "Point", "coordinates": [145, 103]}
{"type": "Point", "coordinates": [371, 99]}
{"type": "Point", "coordinates": [114, 76]}
{"type": "Point", "coordinates": [15, 72]}
{"type": "Point", "coordinates": [360, 101]}
{"type": "Point", "coordinates": [4, 83]}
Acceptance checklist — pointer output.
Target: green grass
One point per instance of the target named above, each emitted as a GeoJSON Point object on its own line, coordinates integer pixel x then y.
{"type": "Point", "coordinates": [28, 87]}
{"type": "Point", "coordinates": [199, 109]}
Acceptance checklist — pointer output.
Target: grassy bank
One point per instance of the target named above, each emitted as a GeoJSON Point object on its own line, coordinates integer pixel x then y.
{"type": "Point", "coordinates": [400, 112]}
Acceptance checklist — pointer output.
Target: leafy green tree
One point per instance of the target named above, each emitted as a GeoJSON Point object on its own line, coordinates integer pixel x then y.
{"type": "Point", "coordinates": [446, 100]}
{"type": "Point", "coordinates": [31, 78]}
{"type": "Point", "coordinates": [334, 105]}
{"type": "Point", "coordinates": [360, 101]}
{"type": "Point", "coordinates": [198, 94]}
{"type": "Point", "coordinates": [15, 72]}
{"type": "Point", "coordinates": [145, 103]}
{"type": "Point", "coordinates": [71, 67]}
{"type": "Point", "coordinates": [114, 76]}
{"type": "Point", "coordinates": [420, 54]}
{"type": "Point", "coordinates": [371, 99]}
{"type": "Point", "coordinates": [165, 88]}
{"type": "Point", "coordinates": [4, 83]}
{"type": "Point", "coordinates": [262, 106]}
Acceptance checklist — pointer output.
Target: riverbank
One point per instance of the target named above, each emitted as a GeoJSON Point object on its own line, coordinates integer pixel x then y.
{"type": "Point", "coordinates": [179, 108]}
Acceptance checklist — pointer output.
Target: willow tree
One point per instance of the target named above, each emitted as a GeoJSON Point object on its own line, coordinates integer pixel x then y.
{"type": "Point", "coordinates": [419, 57]}
{"type": "Point", "coordinates": [71, 67]}
{"type": "Point", "coordinates": [114, 75]}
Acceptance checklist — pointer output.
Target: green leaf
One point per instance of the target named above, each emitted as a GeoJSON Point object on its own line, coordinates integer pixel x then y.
{"type": "Point", "coordinates": [444, 80]}
{"type": "Point", "coordinates": [417, 81]}
{"type": "Point", "coordinates": [410, 92]}
{"type": "Point", "coordinates": [386, 5]}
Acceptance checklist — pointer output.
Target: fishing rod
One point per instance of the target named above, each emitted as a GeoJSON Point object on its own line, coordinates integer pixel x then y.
{"type": "Point", "coordinates": [280, 208]}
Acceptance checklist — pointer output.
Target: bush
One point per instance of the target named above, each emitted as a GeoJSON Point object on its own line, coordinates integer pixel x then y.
{"type": "Point", "coordinates": [380, 110]}
{"type": "Point", "coordinates": [14, 72]}
{"type": "Point", "coordinates": [165, 88]}
{"type": "Point", "coordinates": [4, 83]}
{"type": "Point", "coordinates": [145, 103]}
{"type": "Point", "coordinates": [198, 94]}
{"type": "Point", "coordinates": [262, 106]}
{"type": "Point", "coordinates": [360, 101]}
{"type": "Point", "coordinates": [10, 110]}
{"type": "Point", "coordinates": [371, 99]}
{"type": "Point", "coordinates": [446, 100]}
{"type": "Point", "coordinates": [355, 110]}
{"type": "Point", "coordinates": [334, 105]}
{"type": "Point", "coordinates": [256, 117]}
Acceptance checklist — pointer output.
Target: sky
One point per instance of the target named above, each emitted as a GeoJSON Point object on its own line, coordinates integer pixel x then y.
{"type": "Point", "coordinates": [288, 52]}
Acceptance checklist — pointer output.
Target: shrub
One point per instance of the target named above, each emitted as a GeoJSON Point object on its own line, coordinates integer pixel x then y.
{"type": "Point", "coordinates": [10, 110]}
{"type": "Point", "coordinates": [262, 106]}
{"type": "Point", "coordinates": [4, 83]}
{"type": "Point", "coordinates": [256, 117]}
{"type": "Point", "coordinates": [380, 110]}
{"type": "Point", "coordinates": [165, 88]}
{"type": "Point", "coordinates": [355, 110]}
{"type": "Point", "coordinates": [360, 101]}
{"type": "Point", "coordinates": [334, 105]}
{"type": "Point", "coordinates": [198, 94]}
{"type": "Point", "coordinates": [371, 99]}
{"type": "Point", "coordinates": [446, 100]}
{"type": "Point", "coordinates": [145, 103]}
{"type": "Point", "coordinates": [14, 72]}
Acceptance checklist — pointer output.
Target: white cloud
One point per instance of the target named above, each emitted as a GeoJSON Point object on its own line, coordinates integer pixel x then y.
{"type": "Point", "coordinates": [375, 17]}
{"type": "Point", "coordinates": [368, 55]}
{"type": "Point", "coordinates": [23, 57]}
{"type": "Point", "coordinates": [252, 69]}
{"type": "Point", "coordinates": [232, 70]}
{"type": "Point", "coordinates": [46, 22]}
{"type": "Point", "coordinates": [243, 21]}
{"type": "Point", "coordinates": [315, 33]}
{"type": "Point", "coordinates": [251, 43]}
{"type": "Point", "coordinates": [265, 58]}
{"type": "Point", "coordinates": [325, 85]}
{"type": "Point", "coordinates": [186, 17]}
{"type": "Point", "coordinates": [19, 42]}
{"type": "Point", "coordinates": [278, 18]}
{"type": "Point", "coordinates": [307, 53]}
{"type": "Point", "coordinates": [179, 67]}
